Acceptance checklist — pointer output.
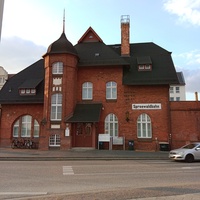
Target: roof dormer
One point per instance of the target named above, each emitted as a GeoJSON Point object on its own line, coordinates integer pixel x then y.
{"type": "Point", "coordinates": [144, 63]}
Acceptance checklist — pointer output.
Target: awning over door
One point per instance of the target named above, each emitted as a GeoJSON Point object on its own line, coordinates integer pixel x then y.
{"type": "Point", "coordinates": [86, 113]}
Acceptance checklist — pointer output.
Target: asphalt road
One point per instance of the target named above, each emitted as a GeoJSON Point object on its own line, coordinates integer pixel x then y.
{"type": "Point", "coordinates": [100, 179]}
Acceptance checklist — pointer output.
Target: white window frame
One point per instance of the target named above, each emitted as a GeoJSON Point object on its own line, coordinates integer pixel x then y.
{"type": "Point", "coordinates": [177, 89]}
{"type": "Point", "coordinates": [111, 90]}
{"type": "Point", "coordinates": [36, 129]}
{"type": "Point", "coordinates": [144, 129]}
{"type": "Point", "coordinates": [171, 89]}
{"type": "Point", "coordinates": [16, 129]}
{"type": "Point", "coordinates": [111, 125]}
{"type": "Point", "coordinates": [87, 91]}
{"type": "Point", "coordinates": [57, 68]}
{"type": "Point", "coordinates": [26, 126]}
{"type": "Point", "coordinates": [54, 140]}
{"type": "Point", "coordinates": [56, 106]}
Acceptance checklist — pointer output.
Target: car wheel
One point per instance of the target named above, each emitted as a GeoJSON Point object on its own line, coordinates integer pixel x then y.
{"type": "Point", "coordinates": [189, 158]}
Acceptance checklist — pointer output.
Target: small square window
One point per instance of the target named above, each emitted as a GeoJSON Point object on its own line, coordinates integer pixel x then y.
{"type": "Point", "coordinates": [22, 91]}
{"type": "Point", "coordinates": [28, 91]}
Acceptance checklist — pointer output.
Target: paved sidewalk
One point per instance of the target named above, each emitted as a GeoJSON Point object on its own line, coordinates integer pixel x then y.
{"type": "Point", "coordinates": [78, 154]}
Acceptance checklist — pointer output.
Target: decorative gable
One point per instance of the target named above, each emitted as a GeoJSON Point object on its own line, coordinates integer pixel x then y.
{"type": "Point", "coordinates": [90, 36]}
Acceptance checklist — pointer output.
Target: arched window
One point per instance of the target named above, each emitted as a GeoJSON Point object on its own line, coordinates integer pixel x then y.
{"type": "Point", "coordinates": [111, 90]}
{"type": "Point", "coordinates": [26, 126]}
{"type": "Point", "coordinates": [111, 125]}
{"type": "Point", "coordinates": [144, 126]}
{"type": "Point", "coordinates": [56, 106]}
{"type": "Point", "coordinates": [57, 68]}
{"type": "Point", "coordinates": [87, 90]}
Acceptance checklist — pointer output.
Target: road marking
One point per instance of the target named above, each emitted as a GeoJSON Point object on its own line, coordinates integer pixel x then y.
{"type": "Point", "coordinates": [190, 167]}
{"type": "Point", "coordinates": [23, 193]}
{"type": "Point", "coordinates": [67, 170]}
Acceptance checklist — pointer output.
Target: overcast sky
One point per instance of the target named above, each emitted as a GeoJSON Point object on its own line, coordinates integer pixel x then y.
{"type": "Point", "coordinates": [30, 26]}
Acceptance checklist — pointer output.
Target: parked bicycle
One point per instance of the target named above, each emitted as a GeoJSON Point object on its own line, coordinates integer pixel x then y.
{"type": "Point", "coordinates": [23, 144]}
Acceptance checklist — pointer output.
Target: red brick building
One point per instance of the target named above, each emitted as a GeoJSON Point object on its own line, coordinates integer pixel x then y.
{"type": "Point", "coordinates": [77, 93]}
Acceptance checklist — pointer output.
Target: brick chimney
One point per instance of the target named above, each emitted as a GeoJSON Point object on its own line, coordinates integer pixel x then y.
{"type": "Point", "coordinates": [125, 44]}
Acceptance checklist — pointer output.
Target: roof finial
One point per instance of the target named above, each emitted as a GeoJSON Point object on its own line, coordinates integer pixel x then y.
{"type": "Point", "coordinates": [64, 21]}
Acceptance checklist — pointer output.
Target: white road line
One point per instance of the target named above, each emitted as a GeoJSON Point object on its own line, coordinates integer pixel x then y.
{"type": "Point", "coordinates": [23, 193]}
{"type": "Point", "coordinates": [67, 170]}
{"type": "Point", "coordinates": [190, 167]}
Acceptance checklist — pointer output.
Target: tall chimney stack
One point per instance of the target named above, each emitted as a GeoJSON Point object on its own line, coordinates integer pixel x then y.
{"type": "Point", "coordinates": [125, 43]}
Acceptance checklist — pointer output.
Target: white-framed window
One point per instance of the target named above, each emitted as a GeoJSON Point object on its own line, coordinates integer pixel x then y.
{"type": "Point", "coordinates": [177, 89]}
{"type": "Point", "coordinates": [87, 91]}
{"type": "Point", "coordinates": [54, 140]}
{"type": "Point", "coordinates": [22, 91]}
{"type": "Point", "coordinates": [144, 67]}
{"type": "Point", "coordinates": [171, 89]}
{"type": "Point", "coordinates": [178, 98]}
{"type": "Point", "coordinates": [26, 126]}
{"type": "Point", "coordinates": [16, 129]}
{"type": "Point", "coordinates": [27, 91]}
{"type": "Point", "coordinates": [56, 106]}
{"type": "Point", "coordinates": [144, 126]}
{"type": "Point", "coordinates": [57, 68]}
{"type": "Point", "coordinates": [33, 91]}
{"type": "Point", "coordinates": [111, 125]}
{"type": "Point", "coordinates": [36, 129]}
{"type": "Point", "coordinates": [171, 98]}
{"type": "Point", "coordinates": [111, 90]}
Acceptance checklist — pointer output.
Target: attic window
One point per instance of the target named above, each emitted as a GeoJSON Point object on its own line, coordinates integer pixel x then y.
{"type": "Point", "coordinates": [27, 91]}
{"type": "Point", "coordinates": [29, 86]}
{"type": "Point", "coordinates": [91, 36]}
{"type": "Point", "coordinates": [144, 67]}
{"type": "Point", "coordinates": [144, 63]}
{"type": "Point", "coordinates": [97, 54]}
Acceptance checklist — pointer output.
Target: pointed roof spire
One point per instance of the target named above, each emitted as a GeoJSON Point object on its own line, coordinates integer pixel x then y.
{"type": "Point", "coordinates": [64, 21]}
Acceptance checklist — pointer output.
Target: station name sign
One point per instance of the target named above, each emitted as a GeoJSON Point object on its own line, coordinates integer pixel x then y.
{"type": "Point", "coordinates": [146, 106]}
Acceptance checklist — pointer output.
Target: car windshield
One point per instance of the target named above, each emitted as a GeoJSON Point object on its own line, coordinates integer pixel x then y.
{"type": "Point", "coordinates": [189, 146]}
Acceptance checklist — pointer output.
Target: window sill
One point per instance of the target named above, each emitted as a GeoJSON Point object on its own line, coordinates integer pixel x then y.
{"type": "Point", "coordinates": [111, 100]}
{"type": "Point", "coordinates": [144, 139]}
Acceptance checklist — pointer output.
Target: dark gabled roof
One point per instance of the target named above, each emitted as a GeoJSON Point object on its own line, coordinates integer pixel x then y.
{"type": "Point", "coordinates": [141, 60]}
{"type": "Point", "coordinates": [181, 78]}
{"type": "Point", "coordinates": [163, 70]}
{"type": "Point", "coordinates": [98, 54]}
{"type": "Point", "coordinates": [62, 45]}
{"type": "Point", "coordinates": [86, 113]}
{"type": "Point", "coordinates": [31, 83]}
{"type": "Point", "coordinates": [9, 94]}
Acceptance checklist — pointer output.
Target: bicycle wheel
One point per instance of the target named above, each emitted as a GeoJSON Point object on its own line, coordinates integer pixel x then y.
{"type": "Point", "coordinates": [33, 146]}
{"type": "Point", "coordinates": [13, 145]}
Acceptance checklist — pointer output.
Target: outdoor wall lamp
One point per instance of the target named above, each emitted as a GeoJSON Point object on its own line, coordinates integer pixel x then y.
{"type": "Point", "coordinates": [44, 121]}
{"type": "Point", "coordinates": [127, 116]}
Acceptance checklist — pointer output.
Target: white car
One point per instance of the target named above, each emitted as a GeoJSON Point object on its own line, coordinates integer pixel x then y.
{"type": "Point", "coordinates": [189, 152]}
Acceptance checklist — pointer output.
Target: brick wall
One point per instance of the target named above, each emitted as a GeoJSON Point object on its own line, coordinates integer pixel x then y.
{"type": "Point", "coordinates": [185, 123]}
{"type": "Point", "coordinates": [10, 113]}
{"type": "Point", "coordinates": [126, 96]}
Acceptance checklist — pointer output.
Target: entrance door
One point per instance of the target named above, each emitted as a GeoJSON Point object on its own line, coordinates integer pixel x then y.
{"type": "Point", "coordinates": [83, 135]}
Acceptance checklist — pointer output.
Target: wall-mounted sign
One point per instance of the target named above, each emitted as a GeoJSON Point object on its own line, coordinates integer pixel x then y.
{"type": "Point", "coordinates": [146, 106]}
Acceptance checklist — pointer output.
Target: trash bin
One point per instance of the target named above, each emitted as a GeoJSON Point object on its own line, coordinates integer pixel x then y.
{"type": "Point", "coordinates": [100, 145]}
{"type": "Point", "coordinates": [130, 145]}
{"type": "Point", "coordinates": [164, 146]}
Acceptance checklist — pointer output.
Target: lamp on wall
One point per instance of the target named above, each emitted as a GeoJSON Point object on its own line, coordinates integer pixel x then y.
{"type": "Point", "coordinates": [127, 116]}
{"type": "Point", "coordinates": [44, 121]}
